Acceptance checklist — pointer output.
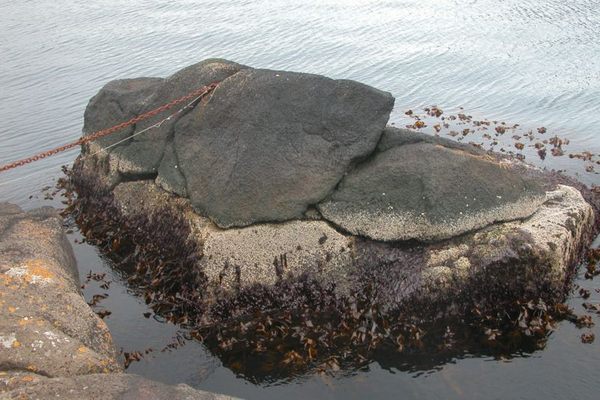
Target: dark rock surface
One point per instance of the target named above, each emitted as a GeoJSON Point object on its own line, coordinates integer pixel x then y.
{"type": "Point", "coordinates": [116, 102]}
{"type": "Point", "coordinates": [108, 387]}
{"type": "Point", "coordinates": [270, 143]}
{"type": "Point", "coordinates": [121, 100]}
{"type": "Point", "coordinates": [394, 137]}
{"type": "Point", "coordinates": [263, 147]}
{"type": "Point", "coordinates": [428, 190]}
{"type": "Point", "coordinates": [267, 146]}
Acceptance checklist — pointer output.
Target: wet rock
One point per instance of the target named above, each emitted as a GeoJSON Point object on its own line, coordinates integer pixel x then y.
{"type": "Point", "coordinates": [109, 387]}
{"type": "Point", "coordinates": [46, 327]}
{"type": "Point", "coordinates": [428, 191]}
{"type": "Point", "coordinates": [269, 144]}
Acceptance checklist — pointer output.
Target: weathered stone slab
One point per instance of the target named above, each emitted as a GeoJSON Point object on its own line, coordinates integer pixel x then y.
{"type": "Point", "coordinates": [426, 191]}
{"type": "Point", "coordinates": [108, 387]}
{"type": "Point", "coordinates": [269, 144]}
{"type": "Point", "coordinates": [46, 327]}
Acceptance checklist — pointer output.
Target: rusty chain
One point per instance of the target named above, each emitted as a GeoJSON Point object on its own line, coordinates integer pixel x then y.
{"type": "Point", "coordinates": [200, 93]}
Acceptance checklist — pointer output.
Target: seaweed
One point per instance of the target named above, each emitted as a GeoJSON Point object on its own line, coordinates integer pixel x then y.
{"type": "Point", "coordinates": [301, 324]}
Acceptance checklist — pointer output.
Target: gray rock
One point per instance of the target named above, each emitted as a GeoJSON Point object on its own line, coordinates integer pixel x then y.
{"type": "Point", "coordinates": [122, 100]}
{"type": "Point", "coordinates": [393, 137]}
{"type": "Point", "coordinates": [116, 102]}
{"type": "Point", "coordinates": [425, 191]}
{"type": "Point", "coordinates": [180, 84]}
{"type": "Point", "coordinates": [108, 387]}
{"type": "Point", "coordinates": [269, 144]}
{"type": "Point", "coordinates": [169, 176]}
{"type": "Point", "coordinates": [46, 327]}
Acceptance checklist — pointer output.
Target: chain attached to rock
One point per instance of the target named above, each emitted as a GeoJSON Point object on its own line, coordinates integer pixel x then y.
{"type": "Point", "coordinates": [196, 94]}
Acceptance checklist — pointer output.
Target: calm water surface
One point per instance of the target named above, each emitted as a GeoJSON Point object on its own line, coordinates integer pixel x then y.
{"type": "Point", "coordinates": [536, 63]}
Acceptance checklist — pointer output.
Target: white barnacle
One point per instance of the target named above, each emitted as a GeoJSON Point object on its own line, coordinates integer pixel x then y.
{"type": "Point", "coordinates": [8, 341]}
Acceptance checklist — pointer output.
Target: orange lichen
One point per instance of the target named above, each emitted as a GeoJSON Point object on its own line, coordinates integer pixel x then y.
{"type": "Point", "coordinates": [37, 267]}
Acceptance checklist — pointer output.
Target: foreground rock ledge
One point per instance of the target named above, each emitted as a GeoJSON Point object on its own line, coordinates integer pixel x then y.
{"type": "Point", "coordinates": [52, 345]}
{"type": "Point", "coordinates": [109, 387]}
{"type": "Point", "coordinates": [284, 175]}
{"type": "Point", "coordinates": [46, 328]}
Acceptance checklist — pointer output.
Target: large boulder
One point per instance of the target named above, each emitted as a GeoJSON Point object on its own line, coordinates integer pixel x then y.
{"type": "Point", "coordinates": [269, 144]}
{"type": "Point", "coordinates": [428, 191]}
{"type": "Point", "coordinates": [264, 147]}
{"type": "Point", "coordinates": [284, 194]}
{"type": "Point", "coordinates": [287, 175]}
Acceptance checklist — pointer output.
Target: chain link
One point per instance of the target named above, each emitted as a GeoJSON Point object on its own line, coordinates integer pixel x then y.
{"type": "Point", "coordinates": [200, 92]}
